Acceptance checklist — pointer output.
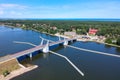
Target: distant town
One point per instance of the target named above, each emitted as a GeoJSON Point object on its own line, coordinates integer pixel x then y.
{"type": "Point", "coordinates": [103, 32]}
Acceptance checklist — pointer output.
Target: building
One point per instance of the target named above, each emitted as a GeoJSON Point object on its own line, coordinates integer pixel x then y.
{"type": "Point", "coordinates": [70, 33]}
{"type": "Point", "coordinates": [92, 31]}
{"type": "Point", "coordinates": [54, 28]}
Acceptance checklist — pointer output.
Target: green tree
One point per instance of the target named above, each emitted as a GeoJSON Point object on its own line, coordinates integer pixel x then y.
{"type": "Point", "coordinates": [118, 41]}
{"type": "Point", "coordinates": [108, 40]}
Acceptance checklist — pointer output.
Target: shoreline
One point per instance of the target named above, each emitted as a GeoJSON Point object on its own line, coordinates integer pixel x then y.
{"type": "Point", "coordinates": [57, 35]}
{"type": "Point", "coordinates": [21, 71]}
{"type": "Point", "coordinates": [18, 72]}
{"type": "Point", "coordinates": [8, 26]}
{"type": "Point", "coordinates": [112, 45]}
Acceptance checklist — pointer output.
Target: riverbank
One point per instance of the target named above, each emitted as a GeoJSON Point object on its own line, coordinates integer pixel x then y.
{"type": "Point", "coordinates": [86, 40]}
{"type": "Point", "coordinates": [110, 44]}
{"type": "Point", "coordinates": [64, 36]}
{"type": "Point", "coordinates": [101, 42]}
{"type": "Point", "coordinates": [9, 66]}
{"type": "Point", "coordinates": [12, 68]}
{"type": "Point", "coordinates": [58, 35]}
{"type": "Point", "coordinates": [18, 72]}
{"type": "Point", "coordinates": [42, 32]}
{"type": "Point", "coordinates": [8, 26]}
{"type": "Point", "coordinates": [44, 70]}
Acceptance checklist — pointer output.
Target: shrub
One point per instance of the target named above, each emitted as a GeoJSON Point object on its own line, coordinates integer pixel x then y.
{"type": "Point", "coordinates": [5, 73]}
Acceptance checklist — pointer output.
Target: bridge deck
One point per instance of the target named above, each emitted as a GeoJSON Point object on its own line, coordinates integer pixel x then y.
{"type": "Point", "coordinates": [39, 47]}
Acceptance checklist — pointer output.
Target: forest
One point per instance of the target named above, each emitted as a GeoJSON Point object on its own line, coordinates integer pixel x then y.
{"type": "Point", "coordinates": [109, 29]}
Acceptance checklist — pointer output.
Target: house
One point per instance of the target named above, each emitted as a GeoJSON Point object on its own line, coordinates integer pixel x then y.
{"type": "Point", "coordinates": [70, 33]}
{"type": "Point", "coordinates": [54, 28]}
{"type": "Point", "coordinates": [92, 31]}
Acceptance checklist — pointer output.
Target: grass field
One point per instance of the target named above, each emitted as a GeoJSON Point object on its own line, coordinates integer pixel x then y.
{"type": "Point", "coordinates": [9, 66]}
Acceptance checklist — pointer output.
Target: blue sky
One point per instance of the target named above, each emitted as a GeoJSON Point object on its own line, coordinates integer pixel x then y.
{"type": "Point", "coordinates": [60, 9]}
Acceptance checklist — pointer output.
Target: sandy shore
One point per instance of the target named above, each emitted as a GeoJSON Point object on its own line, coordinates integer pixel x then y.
{"type": "Point", "coordinates": [110, 44]}
{"type": "Point", "coordinates": [101, 42]}
{"type": "Point", "coordinates": [61, 36]}
{"type": "Point", "coordinates": [17, 72]}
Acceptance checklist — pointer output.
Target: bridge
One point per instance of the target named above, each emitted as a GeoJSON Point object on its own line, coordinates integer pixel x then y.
{"type": "Point", "coordinates": [43, 47]}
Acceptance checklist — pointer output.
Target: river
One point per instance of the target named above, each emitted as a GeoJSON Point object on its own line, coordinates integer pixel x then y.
{"type": "Point", "coordinates": [52, 67]}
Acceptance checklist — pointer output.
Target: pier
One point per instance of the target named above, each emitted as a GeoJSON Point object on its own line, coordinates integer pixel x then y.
{"type": "Point", "coordinates": [97, 52]}
{"type": "Point", "coordinates": [74, 66]}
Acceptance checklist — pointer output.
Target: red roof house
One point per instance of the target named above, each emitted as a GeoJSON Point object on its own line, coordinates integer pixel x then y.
{"type": "Point", "coordinates": [92, 31]}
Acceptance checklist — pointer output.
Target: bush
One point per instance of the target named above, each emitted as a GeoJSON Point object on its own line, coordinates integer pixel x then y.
{"type": "Point", "coordinates": [5, 73]}
{"type": "Point", "coordinates": [118, 41]}
{"type": "Point", "coordinates": [108, 40]}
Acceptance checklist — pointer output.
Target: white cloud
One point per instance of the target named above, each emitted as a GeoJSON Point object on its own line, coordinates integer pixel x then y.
{"type": "Point", "coordinates": [9, 6]}
{"type": "Point", "coordinates": [15, 13]}
{"type": "Point", "coordinates": [11, 10]}
{"type": "Point", "coordinates": [1, 12]}
{"type": "Point", "coordinates": [77, 10]}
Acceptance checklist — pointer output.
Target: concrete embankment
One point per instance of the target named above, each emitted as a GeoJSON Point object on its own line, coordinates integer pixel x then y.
{"type": "Point", "coordinates": [18, 72]}
{"type": "Point", "coordinates": [15, 69]}
{"type": "Point", "coordinates": [9, 66]}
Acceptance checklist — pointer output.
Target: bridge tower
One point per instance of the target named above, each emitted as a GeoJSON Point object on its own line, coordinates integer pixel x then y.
{"type": "Point", "coordinates": [59, 38]}
{"type": "Point", "coordinates": [46, 48]}
{"type": "Point", "coordinates": [30, 56]}
{"type": "Point", "coordinates": [65, 42]}
{"type": "Point", "coordinates": [42, 41]}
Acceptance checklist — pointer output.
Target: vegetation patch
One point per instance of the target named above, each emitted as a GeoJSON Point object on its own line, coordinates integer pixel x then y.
{"type": "Point", "coordinates": [109, 29]}
{"type": "Point", "coordinates": [7, 67]}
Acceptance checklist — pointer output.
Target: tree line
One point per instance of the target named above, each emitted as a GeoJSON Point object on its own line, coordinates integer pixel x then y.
{"type": "Point", "coordinates": [109, 29]}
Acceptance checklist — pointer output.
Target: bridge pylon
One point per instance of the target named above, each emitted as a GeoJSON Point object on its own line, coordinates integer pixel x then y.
{"type": "Point", "coordinates": [30, 56]}
{"type": "Point", "coordinates": [42, 41]}
{"type": "Point", "coordinates": [46, 48]}
{"type": "Point", "coordinates": [65, 42]}
{"type": "Point", "coordinates": [59, 38]}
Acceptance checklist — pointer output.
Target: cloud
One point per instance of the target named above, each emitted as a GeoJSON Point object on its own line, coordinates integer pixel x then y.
{"type": "Point", "coordinates": [1, 12]}
{"type": "Point", "coordinates": [8, 5]}
{"type": "Point", "coordinates": [12, 6]}
{"type": "Point", "coordinates": [93, 10]}
{"type": "Point", "coordinates": [11, 10]}
{"type": "Point", "coordinates": [15, 13]}
{"type": "Point", "coordinates": [98, 9]}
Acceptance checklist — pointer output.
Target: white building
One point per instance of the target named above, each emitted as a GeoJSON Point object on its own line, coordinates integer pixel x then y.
{"type": "Point", "coordinates": [70, 33]}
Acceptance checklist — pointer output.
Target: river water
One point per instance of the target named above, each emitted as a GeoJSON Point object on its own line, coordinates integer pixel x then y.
{"type": "Point", "coordinates": [52, 67]}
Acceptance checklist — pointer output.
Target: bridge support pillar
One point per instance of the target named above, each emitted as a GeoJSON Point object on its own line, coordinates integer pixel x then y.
{"type": "Point", "coordinates": [30, 56]}
{"type": "Point", "coordinates": [46, 48]}
{"type": "Point", "coordinates": [65, 42]}
{"type": "Point", "coordinates": [42, 42]}
{"type": "Point", "coordinates": [59, 38]}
